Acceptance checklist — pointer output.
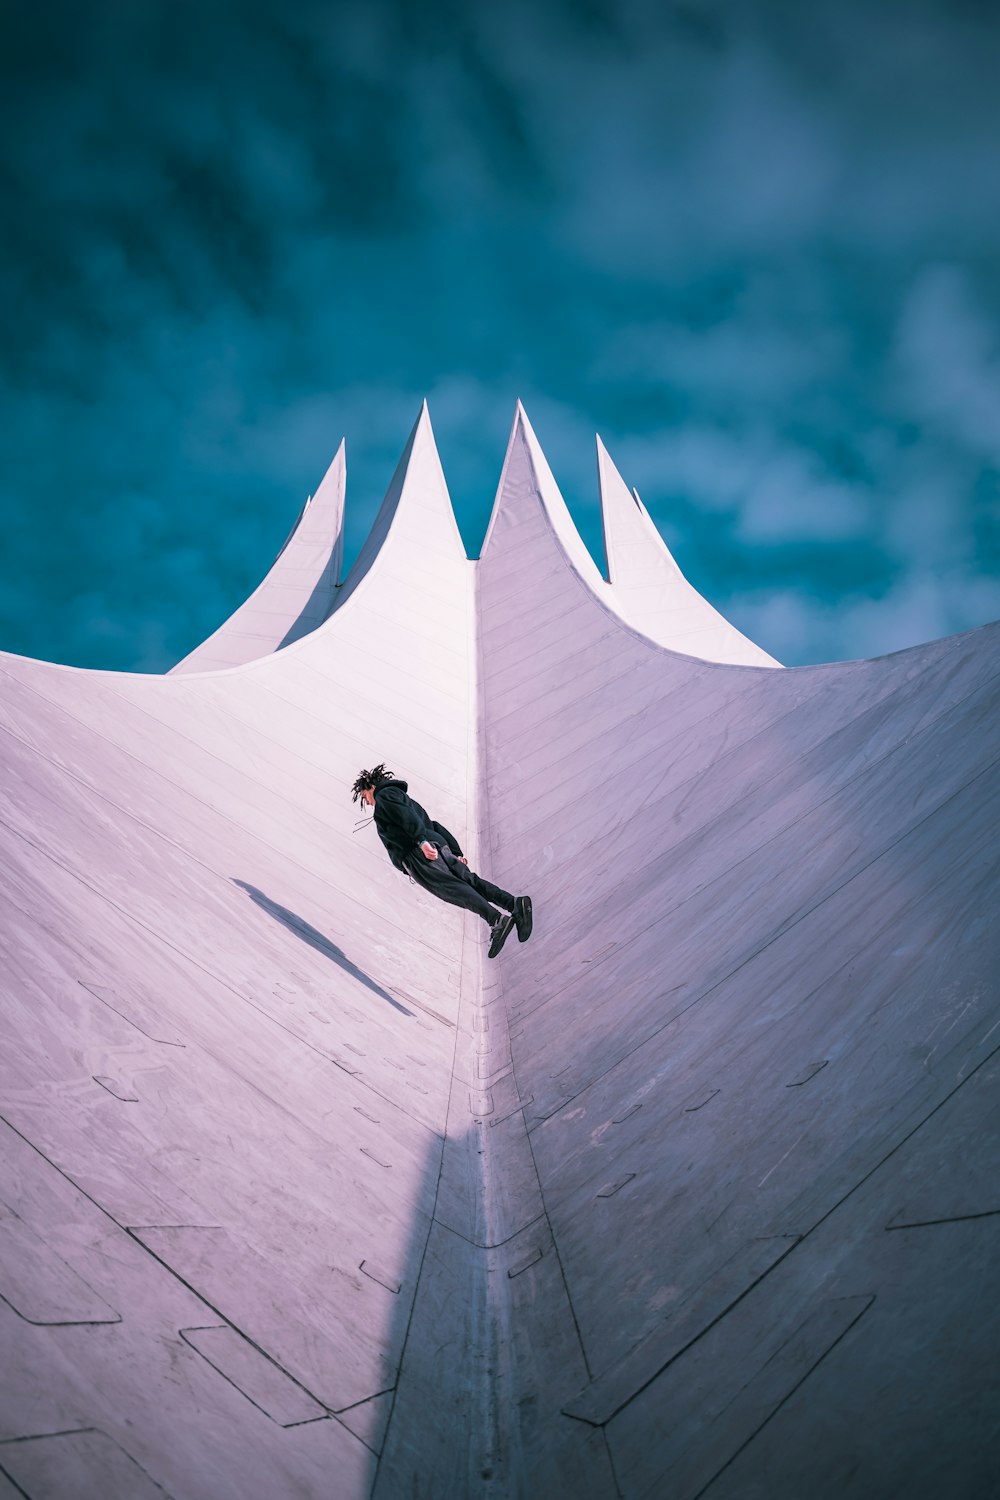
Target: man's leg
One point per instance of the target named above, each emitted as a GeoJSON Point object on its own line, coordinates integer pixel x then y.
{"type": "Point", "coordinates": [519, 905]}
{"type": "Point", "coordinates": [501, 925]}
{"type": "Point", "coordinates": [492, 892]}
{"type": "Point", "coordinates": [450, 881]}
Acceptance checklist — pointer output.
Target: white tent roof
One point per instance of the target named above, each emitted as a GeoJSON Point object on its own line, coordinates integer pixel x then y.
{"type": "Point", "coordinates": [301, 1194]}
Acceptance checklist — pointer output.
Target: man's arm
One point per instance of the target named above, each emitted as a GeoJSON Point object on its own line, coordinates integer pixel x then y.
{"type": "Point", "coordinates": [396, 812]}
{"type": "Point", "coordinates": [449, 839]}
{"type": "Point", "coordinates": [402, 826]}
{"type": "Point", "coordinates": [394, 825]}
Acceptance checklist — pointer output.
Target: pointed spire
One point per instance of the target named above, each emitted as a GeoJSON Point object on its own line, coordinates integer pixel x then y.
{"type": "Point", "coordinates": [528, 492]}
{"type": "Point", "coordinates": [326, 509]}
{"type": "Point", "coordinates": [298, 591]}
{"type": "Point", "coordinates": [416, 513]}
{"type": "Point", "coordinates": [627, 524]}
{"type": "Point", "coordinates": [648, 589]}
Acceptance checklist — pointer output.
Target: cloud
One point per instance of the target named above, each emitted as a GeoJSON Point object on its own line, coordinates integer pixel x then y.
{"type": "Point", "coordinates": [752, 357]}
{"type": "Point", "coordinates": [949, 358]}
{"type": "Point", "coordinates": [790, 499]}
{"type": "Point", "coordinates": [755, 247]}
{"type": "Point", "coordinates": [922, 607]}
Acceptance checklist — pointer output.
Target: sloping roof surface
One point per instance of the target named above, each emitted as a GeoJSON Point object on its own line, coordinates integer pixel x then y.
{"type": "Point", "coordinates": [694, 1194]}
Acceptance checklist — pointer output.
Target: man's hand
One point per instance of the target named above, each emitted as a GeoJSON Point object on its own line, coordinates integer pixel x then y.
{"type": "Point", "coordinates": [428, 850]}
{"type": "Point", "coordinates": [462, 859]}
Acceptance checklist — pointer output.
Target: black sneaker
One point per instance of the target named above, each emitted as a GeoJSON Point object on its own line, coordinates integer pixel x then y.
{"type": "Point", "coordinates": [500, 932]}
{"type": "Point", "coordinates": [522, 918]}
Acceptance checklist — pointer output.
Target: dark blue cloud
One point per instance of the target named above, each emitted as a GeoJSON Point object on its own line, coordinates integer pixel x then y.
{"type": "Point", "coordinates": [754, 246]}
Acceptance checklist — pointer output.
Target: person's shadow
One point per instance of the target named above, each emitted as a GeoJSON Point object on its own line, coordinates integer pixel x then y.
{"type": "Point", "coordinates": [315, 939]}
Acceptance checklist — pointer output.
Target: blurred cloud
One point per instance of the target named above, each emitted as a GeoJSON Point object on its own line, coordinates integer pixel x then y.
{"type": "Point", "coordinates": [949, 356]}
{"type": "Point", "coordinates": [921, 608]}
{"type": "Point", "coordinates": [755, 247]}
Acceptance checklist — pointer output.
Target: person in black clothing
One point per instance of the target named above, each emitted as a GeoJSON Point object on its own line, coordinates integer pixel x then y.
{"type": "Point", "coordinates": [433, 857]}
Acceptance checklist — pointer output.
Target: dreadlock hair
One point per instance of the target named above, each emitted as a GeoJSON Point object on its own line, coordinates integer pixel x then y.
{"type": "Point", "coordinates": [369, 780]}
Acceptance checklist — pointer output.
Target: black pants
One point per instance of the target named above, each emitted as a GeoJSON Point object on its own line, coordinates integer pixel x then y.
{"type": "Point", "coordinates": [448, 879]}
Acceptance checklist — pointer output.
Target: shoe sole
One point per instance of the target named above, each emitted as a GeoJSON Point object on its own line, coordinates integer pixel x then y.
{"type": "Point", "coordinates": [523, 937]}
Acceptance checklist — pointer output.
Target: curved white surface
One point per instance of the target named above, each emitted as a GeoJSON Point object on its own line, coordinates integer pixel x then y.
{"type": "Point", "coordinates": [695, 1194]}
{"type": "Point", "coordinates": [523, 448]}
{"type": "Point", "coordinates": [228, 1017]}
{"type": "Point", "coordinates": [649, 590]}
{"type": "Point", "coordinates": [298, 592]}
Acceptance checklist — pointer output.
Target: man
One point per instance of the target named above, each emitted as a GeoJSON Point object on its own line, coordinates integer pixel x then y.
{"type": "Point", "coordinates": [432, 856]}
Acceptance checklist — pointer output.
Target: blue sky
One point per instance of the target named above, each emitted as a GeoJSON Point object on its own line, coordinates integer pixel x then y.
{"type": "Point", "coordinates": [756, 246]}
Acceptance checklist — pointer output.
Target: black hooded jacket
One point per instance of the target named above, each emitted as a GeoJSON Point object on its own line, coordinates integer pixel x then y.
{"type": "Point", "coordinates": [403, 824]}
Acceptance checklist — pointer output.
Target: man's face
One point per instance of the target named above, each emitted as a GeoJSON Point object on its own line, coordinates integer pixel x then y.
{"type": "Point", "coordinates": [368, 796]}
